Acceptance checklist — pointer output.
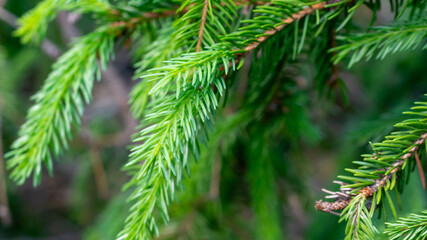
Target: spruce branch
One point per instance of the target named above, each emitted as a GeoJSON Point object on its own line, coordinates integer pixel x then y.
{"type": "Point", "coordinates": [281, 25]}
{"type": "Point", "coordinates": [382, 41]}
{"type": "Point", "coordinates": [187, 87]}
{"type": "Point", "coordinates": [412, 227]}
{"type": "Point", "coordinates": [165, 151]}
{"type": "Point", "coordinates": [379, 172]}
{"type": "Point", "coordinates": [59, 105]}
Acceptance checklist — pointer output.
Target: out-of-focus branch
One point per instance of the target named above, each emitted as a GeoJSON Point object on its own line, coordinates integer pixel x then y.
{"type": "Point", "coordinates": [66, 21]}
{"type": "Point", "coordinates": [120, 93]}
{"type": "Point", "coordinates": [8, 17]}
{"type": "Point", "coordinates": [5, 216]}
{"type": "Point", "coordinates": [99, 172]}
{"type": "Point", "coordinates": [116, 84]}
{"type": "Point", "coordinates": [48, 47]}
{"type": "Point", "coordinates": [215, 179]}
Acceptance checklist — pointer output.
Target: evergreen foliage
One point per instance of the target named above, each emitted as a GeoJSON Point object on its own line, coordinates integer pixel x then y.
{"type": "Point", "coordinates": [412, 227]}
{"type": "Point", "coordinates": [33, 25]}
{"type": "Point", "coordinates": [359, 226]}
{"type": "Point", "coordinates": [189, 56]}
{"type": "Point", "coordinates": [383, 41]}
{"type": "Point", "coordinates": [378, 175]}
{"type": "Point", "coordinates": [59, 106]}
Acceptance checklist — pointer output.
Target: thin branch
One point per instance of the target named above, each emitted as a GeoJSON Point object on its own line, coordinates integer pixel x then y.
{"type": "Point", "coordinates": [342, 202]}
{"type": "Point", "coordinates": [202, 25]}
{"type": "Point", "coordinates": [215, 179]}
{"type": "Point", "coordinates": [99, 172]}
{"type": "Point", "coordinates": [8, 17]}
{"type": "Point", "coordinates": [50, 49]}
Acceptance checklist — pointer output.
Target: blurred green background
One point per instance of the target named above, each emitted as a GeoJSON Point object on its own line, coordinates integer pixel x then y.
{"type": "Point", "coordinates": [83, 200]}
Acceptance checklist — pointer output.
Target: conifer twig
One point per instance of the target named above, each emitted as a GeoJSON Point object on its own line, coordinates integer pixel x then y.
{"type": "Point", "coordinates": [295, 17]}
{"type": "Point", "coordinates": [342, 202]}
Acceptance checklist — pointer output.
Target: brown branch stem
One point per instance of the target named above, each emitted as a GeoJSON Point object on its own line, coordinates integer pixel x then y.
{"type": "Point", "coordinates": [295, 17]}
{"type": "Point", "coordinates": [99, 172]}
{"type": "Point", "coordinates": [420, 170]}
{"type": "Point", "coordinates": [202, 25]}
